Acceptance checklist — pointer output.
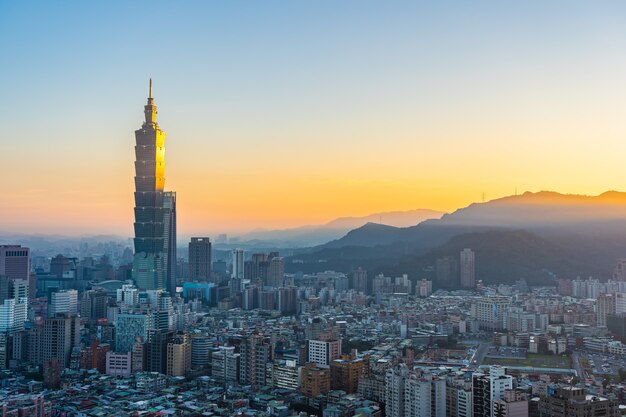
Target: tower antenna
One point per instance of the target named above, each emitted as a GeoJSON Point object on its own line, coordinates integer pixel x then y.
{"type": "Point", "coordinates": [150, 91]}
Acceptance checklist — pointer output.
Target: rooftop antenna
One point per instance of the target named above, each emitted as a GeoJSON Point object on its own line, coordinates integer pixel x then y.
{"type": "Point", "coordinates": [483, 197]}
{"type": "Point", "coordinates": [150, 92]}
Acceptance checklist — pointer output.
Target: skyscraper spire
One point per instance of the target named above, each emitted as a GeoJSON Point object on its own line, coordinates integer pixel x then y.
{"type": "Point", "coordinates": [150, 109]}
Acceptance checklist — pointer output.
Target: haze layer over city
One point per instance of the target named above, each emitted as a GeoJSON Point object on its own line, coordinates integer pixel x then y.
{"type": "Point", "coordinates": [295, 209]}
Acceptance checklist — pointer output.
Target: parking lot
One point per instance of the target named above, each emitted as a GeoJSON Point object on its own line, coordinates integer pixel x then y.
{"type": "Point", "coordinates": [507, 352]}
{"type": "Point", "coordinates": [602, 363]}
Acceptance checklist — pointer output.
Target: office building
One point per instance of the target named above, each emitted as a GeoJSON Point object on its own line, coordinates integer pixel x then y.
{"type": "Point", "coordinates": [237, 270]}
{"type": "Point", "coordinates": [157, 349]}
{"type": "Point", "coordinates": [15, 262]}
{"type": "Point", "coordinates": [154, 209]}
{"type": "Point", "coordinates": [200, 259]}
{"type": "Point", "coordinates": [179, 355]}
{"type": "Point", "coordinates": [60, 335]}
{"type": "Point", "coordinates": [467, 268]}
{"type": "Point", "coordinates": [169, 239]}
{"type": "Point", "coordinates": [128, 328]}
{"type": "Point", "coordinates": [65, 301]}
{"type": "Point", "coordinates": [118, 364]}
{"type": "Point", "coordinates": [200, 350]}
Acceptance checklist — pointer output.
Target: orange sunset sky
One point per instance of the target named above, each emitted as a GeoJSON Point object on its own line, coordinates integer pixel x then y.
{"type": "Point", "coordinates": [280, 114]}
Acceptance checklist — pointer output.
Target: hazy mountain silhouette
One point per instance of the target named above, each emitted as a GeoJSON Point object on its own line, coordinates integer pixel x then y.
{"type": "Point", "coordinates": [318, 234]}
{"type": "Point", "coordinates": [532, 236]}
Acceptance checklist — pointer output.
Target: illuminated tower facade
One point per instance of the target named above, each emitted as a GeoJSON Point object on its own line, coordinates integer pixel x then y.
{"type": "Point", "coordinates": [155, 212]}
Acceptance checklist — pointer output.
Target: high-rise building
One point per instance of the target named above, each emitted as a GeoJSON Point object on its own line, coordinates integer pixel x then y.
{"type": "Point", "coordinates": [128, 327]}
{"type": "Point", "coordinates": [487, 388]}
{"type": "Point", "coordinates": [200, 350]}
{"type": "Point", "coordinates": [224, 363]}
{"type": "Point", "coordinates": [169, 238]}
{"type": "Point", "coordinates": [259, 267]}
{"type": "Point", "coordinates": [276, 272]}
{"type": "Point", "coordinates": [179, 355]}
{"type": "Point", "coordinates": [410, 394]}
{"type": "Point", "coordinates": [468, 277]}
{"type": "Point", "coordinates": [155, 211]}
{"type": "Point", "coordinates": [156, 350]}
{"type": "Point", "coordinates": [65, 301]}
{"type": "Point", "coordinates": [288, 300]}
{"type": "Point", "coordinates": [605, 305]}
{"type": "Point", "coordinates": [238, 264]}
{"type": "Point", "coordinates": [15, 262]}
{"type": "Point", "coordinates": [13, 304]}
{"type": "Point", "coordinates": [359, 281]}
{"type": "Point", "coordinates": [424, 288]}
{"type": "Point", "coordinates": [447, 273]}
{"type": "Point", "coordinates": [200, 259]}
{"type": "Point", "coordinates": [60, 335]}
{"type": "Point", "coordinates": [255, 352]}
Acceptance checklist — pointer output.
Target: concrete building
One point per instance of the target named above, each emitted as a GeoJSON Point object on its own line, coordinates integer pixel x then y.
{"type": "Point", "coordinates": [512, 404]}
{"type": "Point", "coordinates": [128, 327]}
{"type": "Point", "coordinates": [345, 373]}
{"type": "Point", "coordinates": [237, 270]}
{"type": "Point", "coordinates": [179, 355]}
{"type": "Point", "coordinates": [286, 374]}
{"type": "Point", "coordinates": [487, 388]}
{"type": "Point", "coordinates": [605, 305]}
{"type": "Point", "coordinates": [490, 312]}
{"type": "Point", "coordinates": [359, 281]}
{"type": "Point", "coordinates": [568, 401]}
{"type": "Point", "coordinates": [467, 268]}
{"type": "Point", "coordinates": [255, 352]}
{"type": "Point", "coordinates": [322, 352]}
{"type": "Point", "coordinates": [225, 364]}
{"type": "Point", "coordinates": [200, 259]}
{"type": "Point", "coordinates": [118, 364]}
{"type": "Point", "coordinates": [314, 380]}
{"type": "Point", "coordinates": [64, 301]}
{"type": "Point", "coordinates": [60, 335]}
{"type": "Point", "coordinates": [276, 272]}
{"type": "Point", "coordinates": [15, 262]}
{"type": "Point", "coordinates": [410, 394]}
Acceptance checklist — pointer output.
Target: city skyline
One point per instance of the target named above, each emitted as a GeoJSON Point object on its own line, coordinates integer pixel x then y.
{"type": "Point", "coordinates": [287, 115]}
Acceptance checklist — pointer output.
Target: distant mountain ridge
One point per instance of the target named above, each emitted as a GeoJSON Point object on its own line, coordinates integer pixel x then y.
{"type": "Point", "coordinates": [532, 235]}
{"type": "Point", "coordinates": [319, 234]}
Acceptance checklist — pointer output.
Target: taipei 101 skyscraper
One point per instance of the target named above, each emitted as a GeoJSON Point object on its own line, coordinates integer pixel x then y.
{"type": "Point", "coordinates": [154, 263]}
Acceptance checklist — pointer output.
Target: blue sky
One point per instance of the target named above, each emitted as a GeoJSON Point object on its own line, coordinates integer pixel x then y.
{"type": "Point", "coordinates": [381, 102]}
